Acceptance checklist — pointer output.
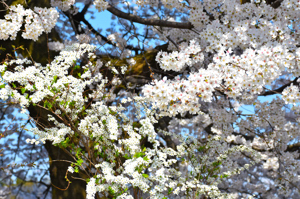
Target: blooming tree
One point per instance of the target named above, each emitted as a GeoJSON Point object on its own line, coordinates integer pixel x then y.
{"type": "Point", "coordinates": [172, 126]}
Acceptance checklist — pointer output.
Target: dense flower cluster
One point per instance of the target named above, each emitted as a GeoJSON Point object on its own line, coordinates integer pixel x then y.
{"type": "Point", "coordinates": [83, 38]}
{"type": "Point", "coordinates": [176, 61]}
{"type": "Point", "coordinates": [36, 22]}
{"type": "Point", "coordinates": [291, 95]}
{"type": "Point", "coordinates": [63, 5]}
{"type": "Point", "coordinates": [100, 5]}
{"type": "Point", "coordinates": [55, 46]}
{"type": "Point", "coordinates": [198, 17]}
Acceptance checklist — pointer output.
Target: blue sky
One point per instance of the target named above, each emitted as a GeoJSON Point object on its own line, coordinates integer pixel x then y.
{"type": "Point", "coordinates": [98, 19]}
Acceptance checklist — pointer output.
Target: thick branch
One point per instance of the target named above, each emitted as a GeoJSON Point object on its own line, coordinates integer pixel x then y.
{"type": "Point", "coordinates": [275, 4]}
{"type": "Point", "coordinates": [137, 79]}
{"type": "Point", "coordinates": [280, 89]}
{"type": "Point", "coordinates": [151, 22]}
{"type": "Point", "coordinates": [84, 10]}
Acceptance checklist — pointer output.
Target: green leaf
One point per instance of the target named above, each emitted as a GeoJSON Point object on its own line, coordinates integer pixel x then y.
{"type": "Point", "coordinates": [45, 103]}
{"type": "Point", "coordinates": [55, 79]}
{"type": "Point", "coordinates": [2, 86]}
{"type": "Point", "coordinates": [138, 154]}
{"type": "Point", "coordinates": [111, 191]}
{"type": "Point", "coordinates": [1, 48]}
{"type": "Point", "coordinates": [72, 104]}
{"type": "Point", "coordinates": [79, 162]}
{"type": "Point", "coordinates": [223, 176]}
{"type": "Point", "coordinates": [145, 158]}
{"type": "Point", "coordinates": [126, 156]}
{"type": "Point", "coordinates": [217, 163]}
{"type": "Point", "coordinates": [145, 175]}
{"type": "Point", "coordinates": [23, 90]}
{"type": "Point", "coordinates": [201, 148]}
{"type": "Point", "coordinates": [76, 169]}
{"type": "Point", "coordinates": [14, 85]}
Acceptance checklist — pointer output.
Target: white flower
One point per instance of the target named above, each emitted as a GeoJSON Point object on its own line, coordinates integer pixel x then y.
{"type": "Point", "coordinates": [131, 61]}
{"type": "Point", "coordinates": [83, 38]}
{"type": "Point", "coordinates": [271, 163]}
{"type": "Point", "coordinates": [71, 169]}
{"type": "Point", "coordinates": [63, 5]}
{"type": "Point", "coordinates": [91, 189]}
{"type": "Point", "coordinates": [56, 46]}
{"type": "Point", "coordinates": [100, 5]}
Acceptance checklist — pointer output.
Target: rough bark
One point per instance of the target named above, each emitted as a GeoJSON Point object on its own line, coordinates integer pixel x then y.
{"type": "Point", "coordinates": [61, 189]}
{"type": "Point", "coordinates": [59, 161]}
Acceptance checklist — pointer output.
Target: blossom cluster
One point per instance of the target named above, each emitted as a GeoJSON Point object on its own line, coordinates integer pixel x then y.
{"type": "Point", "coordinates": [198, 17]}
{"type": "Point", "coordinates": [291, 94]}
{"type": "Point", "coordinates": [36, 22]}
{"type": "Point", "coordinates": [179, 95]}
{"type": "Point", "coordinates": [55, 46]}
{"type": "Point", "coordinates": [176, 61]}
{"type": "Point", "coordinates": [100, 5]}
{"type": "Point", "coordinates": [63, 5]}
{"type": "Point", "coordinates": [83, 38]}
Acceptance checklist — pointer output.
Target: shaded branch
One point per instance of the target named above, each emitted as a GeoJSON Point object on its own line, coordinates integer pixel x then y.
{"type": "Point", "coordinates": [93, 30]}
{"type": "Point", "coordinates": [280, 89]}
{"type": "Point", "coordinates": [84, 10]}
{"type": "Point", "coordinates": [152, 22]}
{"type": "Point", "coordinates": [137, 79]}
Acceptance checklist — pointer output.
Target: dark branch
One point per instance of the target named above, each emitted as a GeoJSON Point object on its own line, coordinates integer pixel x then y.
{"type": "Point", "coordinates": [280, 89]}
{"type": "Point", "coordinates": [79, 17]}
{"type": "Point", "coordinates": [152, 22]}
{"type": "Point", "coordinates": [90, 27]}
{"type": "Point", "coordinates": [84, 10]}
{"type": "Point", "coordinates": [137, 79]}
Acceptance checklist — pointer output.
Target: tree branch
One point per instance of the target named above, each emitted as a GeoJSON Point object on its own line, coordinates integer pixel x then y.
{"type": "Point", "coordinates": [152, 22]}
{"type": "Point", "coordinates": [84, 10]}
{"type": "Point", "coordinates": [104, 38]}
{"type": "Point", "coordinates": [280, 89]}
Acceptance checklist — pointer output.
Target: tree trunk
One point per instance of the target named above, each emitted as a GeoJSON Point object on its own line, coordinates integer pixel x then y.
{"type": "Point", "coordinates": [59, 163]}
{"type": "Point", "coordinates": [61, 189]}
